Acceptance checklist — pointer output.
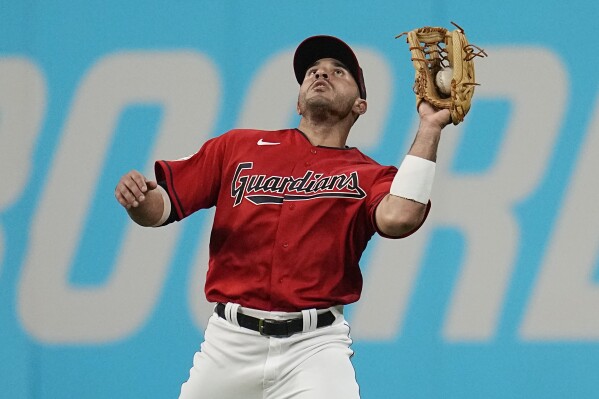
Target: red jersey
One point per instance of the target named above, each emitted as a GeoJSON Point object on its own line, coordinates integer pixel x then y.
{"type": "Point", "coordinates": [292, 219]}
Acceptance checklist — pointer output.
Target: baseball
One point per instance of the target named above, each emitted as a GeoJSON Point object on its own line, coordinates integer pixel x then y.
{"type": "Point", "coordinates": [443, 80]}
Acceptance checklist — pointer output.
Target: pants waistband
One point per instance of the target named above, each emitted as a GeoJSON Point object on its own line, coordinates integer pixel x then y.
{"type": "Point", "coordinates": [307, 320]}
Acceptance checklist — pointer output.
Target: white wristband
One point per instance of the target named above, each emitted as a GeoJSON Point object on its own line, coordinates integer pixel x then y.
{"type": "Point", "coordinates": [414, 179]}
{"type": "Point", "coordinates": [166, 210]}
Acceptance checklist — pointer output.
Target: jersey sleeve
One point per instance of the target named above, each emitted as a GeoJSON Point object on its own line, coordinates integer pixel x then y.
{"type": "Point", "coordinates": [193, 183]}
{"type": "Point", "coordinates": [378, 191]}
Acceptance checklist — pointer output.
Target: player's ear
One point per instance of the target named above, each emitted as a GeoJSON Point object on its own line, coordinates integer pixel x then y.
{"type": "Point", "coordinates": [360, 106]}
{"type": "Point", "coordinates": [297, 108]}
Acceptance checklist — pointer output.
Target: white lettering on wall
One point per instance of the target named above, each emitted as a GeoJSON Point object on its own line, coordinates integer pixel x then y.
{"type": "Point", "coordinates": [564, 302]}
{"type": "Point", "coordinates": [185, 85]}
{"type": "Point", "coordinates": [22, 108]}
{"type": "Point", "coordinates": [480, 206]}
{"type": "Point", "coordinates": [182, 83]}
{"type": "Point", "coordinates": [483, 206]}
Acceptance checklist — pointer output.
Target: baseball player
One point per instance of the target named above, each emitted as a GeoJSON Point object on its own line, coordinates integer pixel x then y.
{"type": "Point", "coordinates": [295, 209]}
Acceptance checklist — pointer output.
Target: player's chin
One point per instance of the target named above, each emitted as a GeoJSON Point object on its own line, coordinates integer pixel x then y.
{"type": "Point", "coordinates": [318, 100]}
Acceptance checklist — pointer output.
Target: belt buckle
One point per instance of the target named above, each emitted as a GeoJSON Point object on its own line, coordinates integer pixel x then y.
{"type": "Point", "coordinates": [265, 324]}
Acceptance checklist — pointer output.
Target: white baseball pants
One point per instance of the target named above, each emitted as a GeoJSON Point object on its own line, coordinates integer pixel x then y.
{"type": "Point", "coordinates": [238, 363]}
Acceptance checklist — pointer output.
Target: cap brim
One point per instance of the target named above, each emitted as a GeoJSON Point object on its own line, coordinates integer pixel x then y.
{"type": "Point", "coordinates": [317, 47]}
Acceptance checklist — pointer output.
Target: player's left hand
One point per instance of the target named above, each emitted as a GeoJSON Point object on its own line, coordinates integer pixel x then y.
{"type": "Point", "coordinates": [432, 116]}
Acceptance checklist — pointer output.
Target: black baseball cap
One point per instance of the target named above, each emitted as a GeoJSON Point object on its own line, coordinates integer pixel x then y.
{"type": "Point", "coordinates": [317, 47]}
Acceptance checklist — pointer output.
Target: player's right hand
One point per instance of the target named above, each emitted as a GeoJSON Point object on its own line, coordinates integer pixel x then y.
{"type": "Point", "coordinates": [130, 190]}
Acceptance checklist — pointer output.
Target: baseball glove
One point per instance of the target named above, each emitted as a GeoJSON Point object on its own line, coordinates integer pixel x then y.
{"type": "Point", "coordinates": [444, 64]}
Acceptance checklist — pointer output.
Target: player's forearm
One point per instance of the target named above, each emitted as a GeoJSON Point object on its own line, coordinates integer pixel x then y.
{"type": "Point", "coordinates": [397, 216]}
{"type": "Point", "coordinates": [150, 210]}
{"type": "Point", "coordinates": [426, 142]}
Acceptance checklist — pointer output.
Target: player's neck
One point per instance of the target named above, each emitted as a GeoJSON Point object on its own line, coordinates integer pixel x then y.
{"type": "Point", "coordinates": [325, 134]}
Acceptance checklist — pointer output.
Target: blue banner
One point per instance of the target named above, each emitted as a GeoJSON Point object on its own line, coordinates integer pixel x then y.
{"type": "Point", "coordinates": [495, 297]}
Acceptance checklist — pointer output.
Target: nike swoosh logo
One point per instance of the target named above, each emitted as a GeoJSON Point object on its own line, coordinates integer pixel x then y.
{"type": "Point", "coordinates": [262, 142]}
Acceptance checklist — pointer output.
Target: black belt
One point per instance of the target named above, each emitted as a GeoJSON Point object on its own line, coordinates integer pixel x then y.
{"type": "Point", "coordinates": [276, 328]}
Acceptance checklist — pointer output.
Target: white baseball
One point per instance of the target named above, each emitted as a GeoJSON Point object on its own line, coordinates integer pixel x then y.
{"type": "Point", "coordinates": [443, 80]}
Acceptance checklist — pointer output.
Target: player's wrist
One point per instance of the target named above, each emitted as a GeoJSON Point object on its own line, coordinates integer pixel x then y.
{"type": "Point", "coordinates": [166, 206]}
{"type": "Point", "coordinates": [414, 179]}
{"type": "Point", "coordinates": [431, 126]}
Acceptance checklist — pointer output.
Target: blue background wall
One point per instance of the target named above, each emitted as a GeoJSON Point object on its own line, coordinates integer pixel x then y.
{"type": "Point", "coordinates": [496, 297]}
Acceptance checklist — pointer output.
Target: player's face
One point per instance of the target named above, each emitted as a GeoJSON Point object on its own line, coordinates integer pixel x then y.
{"type": "Point", "coordinates": [328, 85]}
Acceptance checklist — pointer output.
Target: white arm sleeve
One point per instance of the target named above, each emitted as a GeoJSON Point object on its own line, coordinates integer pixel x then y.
{"type": "Point", "coordinates": [414, 179]}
